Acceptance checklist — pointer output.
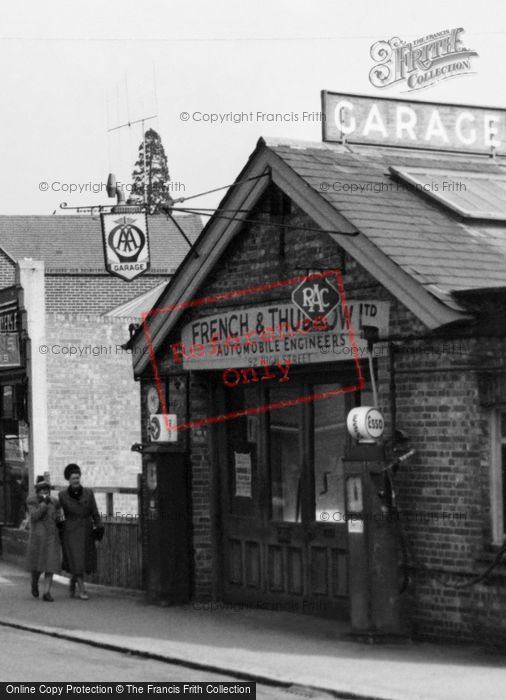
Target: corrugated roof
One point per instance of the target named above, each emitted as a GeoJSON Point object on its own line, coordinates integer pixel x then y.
{"type": "Point", "coordinates": [74, 243]}
{"type": "Point", "coordinates": [139, 304]}
{"type": "Point", "coordinates": [441, 252]}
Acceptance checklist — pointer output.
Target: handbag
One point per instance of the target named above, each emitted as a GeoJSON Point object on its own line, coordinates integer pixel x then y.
{"type": "Point", "coordinates": [98, 533]}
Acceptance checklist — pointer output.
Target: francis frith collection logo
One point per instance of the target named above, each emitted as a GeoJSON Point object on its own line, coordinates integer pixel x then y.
{"type": "Point", "coordinates": [421, 63]}
{"type": "Point", "coordinates": [126, 245]}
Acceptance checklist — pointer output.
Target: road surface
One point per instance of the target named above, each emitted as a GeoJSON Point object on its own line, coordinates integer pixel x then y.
{"type": "Point", "coordinates": [28, 656]}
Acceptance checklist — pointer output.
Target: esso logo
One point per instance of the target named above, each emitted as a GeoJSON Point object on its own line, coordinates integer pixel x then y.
{"type": "Point", "coordinates": [375, 423]}
{"type": "Point", "coordinates": [365, 424]}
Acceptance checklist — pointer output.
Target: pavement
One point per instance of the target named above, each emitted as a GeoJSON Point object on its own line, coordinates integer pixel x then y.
{"type": "Point", "coordinates": [277, 648]}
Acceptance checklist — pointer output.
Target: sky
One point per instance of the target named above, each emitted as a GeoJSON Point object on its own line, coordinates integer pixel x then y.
{"type": "Point", "coordinates": [73, 70]}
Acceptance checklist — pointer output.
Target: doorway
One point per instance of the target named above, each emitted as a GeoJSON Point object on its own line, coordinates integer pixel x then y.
{"type": "Point", "coordinates": [284, 537]}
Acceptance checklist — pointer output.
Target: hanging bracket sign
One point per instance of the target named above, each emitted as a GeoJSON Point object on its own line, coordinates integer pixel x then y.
{"type": "Point", "coordinates": [126, 244]}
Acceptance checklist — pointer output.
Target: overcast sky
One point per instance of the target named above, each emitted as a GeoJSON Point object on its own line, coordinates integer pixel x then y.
{"type": "Point", "coordinates": [72, 70]}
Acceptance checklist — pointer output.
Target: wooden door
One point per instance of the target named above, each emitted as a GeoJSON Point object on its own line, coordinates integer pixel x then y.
{"type": "Point", "coordinates": [281, 472]}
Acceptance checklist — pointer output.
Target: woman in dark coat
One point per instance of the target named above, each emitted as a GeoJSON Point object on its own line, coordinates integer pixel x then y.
{"type": "Point", "coordinates": [81, 529]}
{"type": "Point", "coordinates": [44, 551]}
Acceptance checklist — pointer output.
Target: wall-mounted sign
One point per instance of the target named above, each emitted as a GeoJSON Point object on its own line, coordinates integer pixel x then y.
{"type": "Point", "coordinates": [153, 399]}
{"type": "Point", "coordinates": [126, 244]}
{"type": "Point", "coordinates": [388, 122]}
{"type": "Point", "coordinates": [13, 448]}
{"type": "Point", "coordinates": [315, 297]}
{"type": "Point", "coordinates": [277, 333]}
{"type": "Point", "coordinates": [162, 426]}
{"type": "Point", "coordinates": [242, 464]}
{"type": "Point", "coordinates": [10, 355]}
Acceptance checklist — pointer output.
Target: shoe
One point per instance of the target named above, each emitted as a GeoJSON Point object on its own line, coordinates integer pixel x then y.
{"type": "Point", "coordinates": [48, 597]}
{"type": "Point", "coordinates": [84, 596]}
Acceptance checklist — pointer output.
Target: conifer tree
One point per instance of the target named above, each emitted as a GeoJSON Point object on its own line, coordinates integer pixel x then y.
{"type": "Point", "coordinates": [157, 172]}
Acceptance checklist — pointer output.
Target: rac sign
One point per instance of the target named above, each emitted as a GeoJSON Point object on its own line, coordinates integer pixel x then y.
{"type": "Point", "coordinates": [316, 298]}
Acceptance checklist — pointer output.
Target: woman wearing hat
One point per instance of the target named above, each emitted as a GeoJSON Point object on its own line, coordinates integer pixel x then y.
{"type": "Point", "coordinates": [82, 527]}
{"type": "Point", "coordinates": [44, 552]}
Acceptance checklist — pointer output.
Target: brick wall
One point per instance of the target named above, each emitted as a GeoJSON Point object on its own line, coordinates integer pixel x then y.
{"type": "Point", "coordinates": [256, 257]}
{"type": "Point", "coordinates": [7, 271]}
{"type": "Point", "coordinates": [439, 406]}
{"type": "Point", "coordinates": [95, 294]}
{"type": "Point", "coordinates": [93, 403]}
{"type": "Point", "coordinates": [437, 402]}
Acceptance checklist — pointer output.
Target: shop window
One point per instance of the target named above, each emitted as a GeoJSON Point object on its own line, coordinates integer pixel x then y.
{"type": "Point", "coordinates": [242, 434]}
{"type": "Point", "coordinates": [7, 401]}
{"type": "Point", "coordinates": [284, 445]}
{"type": "Point", "coordinates": [498, 476]}
{"type": "Point", "coordinates": [14, 454]}
{"type": "Point", "coordinates": [329, 445]}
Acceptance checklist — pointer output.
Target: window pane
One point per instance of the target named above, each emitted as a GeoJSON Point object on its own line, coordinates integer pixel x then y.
{"type": "Point", "coordinates": [285, 461]}
{"type": "Point", "coordinates": [242, 450]}
{"type": "Point", "coordinates": [329, 444]}
{"type": "Point", "coordinates": [503, 463]}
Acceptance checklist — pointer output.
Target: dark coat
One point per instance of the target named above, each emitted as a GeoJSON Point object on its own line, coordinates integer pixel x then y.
{"type": "Point", "coordinates": [44, 551]}
{"type": "Point", "coordinates": [81, 515]}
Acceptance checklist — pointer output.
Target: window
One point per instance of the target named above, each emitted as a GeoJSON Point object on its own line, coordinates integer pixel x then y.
{"type": "Point", "coordinates": [498, 476]}
{"type": "Point", "coordinates": [471, 195]}
{"type": "Point", "coordinates": [285, 456]}
{"type": "Point", "coordinates": [329, 445]}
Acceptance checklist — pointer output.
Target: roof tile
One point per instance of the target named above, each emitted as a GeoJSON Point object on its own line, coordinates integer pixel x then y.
{"type": "Point", "coordinates": [419, 235]}
{"type": "Point", "coordinates": [74, 243]}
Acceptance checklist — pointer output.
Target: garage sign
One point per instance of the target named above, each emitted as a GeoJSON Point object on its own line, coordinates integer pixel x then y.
{"type": "Point", "coordinates": [381, 121]}
{"type": "Point", "coordinates": [126, 244]}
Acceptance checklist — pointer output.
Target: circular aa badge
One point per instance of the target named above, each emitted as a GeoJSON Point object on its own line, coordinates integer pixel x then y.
{"type": "Point", "coordinates": [126, 245]}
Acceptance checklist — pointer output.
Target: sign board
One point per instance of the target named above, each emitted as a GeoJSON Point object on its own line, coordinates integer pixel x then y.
{"type": "Point", "coordinates": [162, 427]}
{"type": "Point", "coordinates": [13, 448]}
{"type": "Point", "coordinates": [278, 332]}
{"type": "Point", "coordinates": [315, 297]}
{"type": "Point", "coordinates": [412, 124]}
{"type": "Point", "coordinates": [10, 355]}
{"type": "Point", "coordinates": [242, 465]}
{"type": "Point", "coordinates": [126, 244]}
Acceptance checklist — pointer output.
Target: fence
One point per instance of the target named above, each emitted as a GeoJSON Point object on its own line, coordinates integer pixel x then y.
{"type": "Point", "coordinates": [119, 553]}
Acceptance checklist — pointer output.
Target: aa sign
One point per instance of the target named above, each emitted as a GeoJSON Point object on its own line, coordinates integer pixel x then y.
{"type": "Point", "coordinates": [126, 244]}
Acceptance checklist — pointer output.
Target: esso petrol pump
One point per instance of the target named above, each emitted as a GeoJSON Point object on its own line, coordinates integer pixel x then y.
{"type": "Point", "coordinates": [372, 527]}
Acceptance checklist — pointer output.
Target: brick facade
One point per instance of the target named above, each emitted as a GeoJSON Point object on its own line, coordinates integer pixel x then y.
{"type": "Point", "coordinates": [93, 411]}
{"type": "Point", "coordinates": [433, 395]}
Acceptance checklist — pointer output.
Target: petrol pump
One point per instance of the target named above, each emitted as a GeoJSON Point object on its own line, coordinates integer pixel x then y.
{"type": "Point", "coordinates": [372, 528]}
